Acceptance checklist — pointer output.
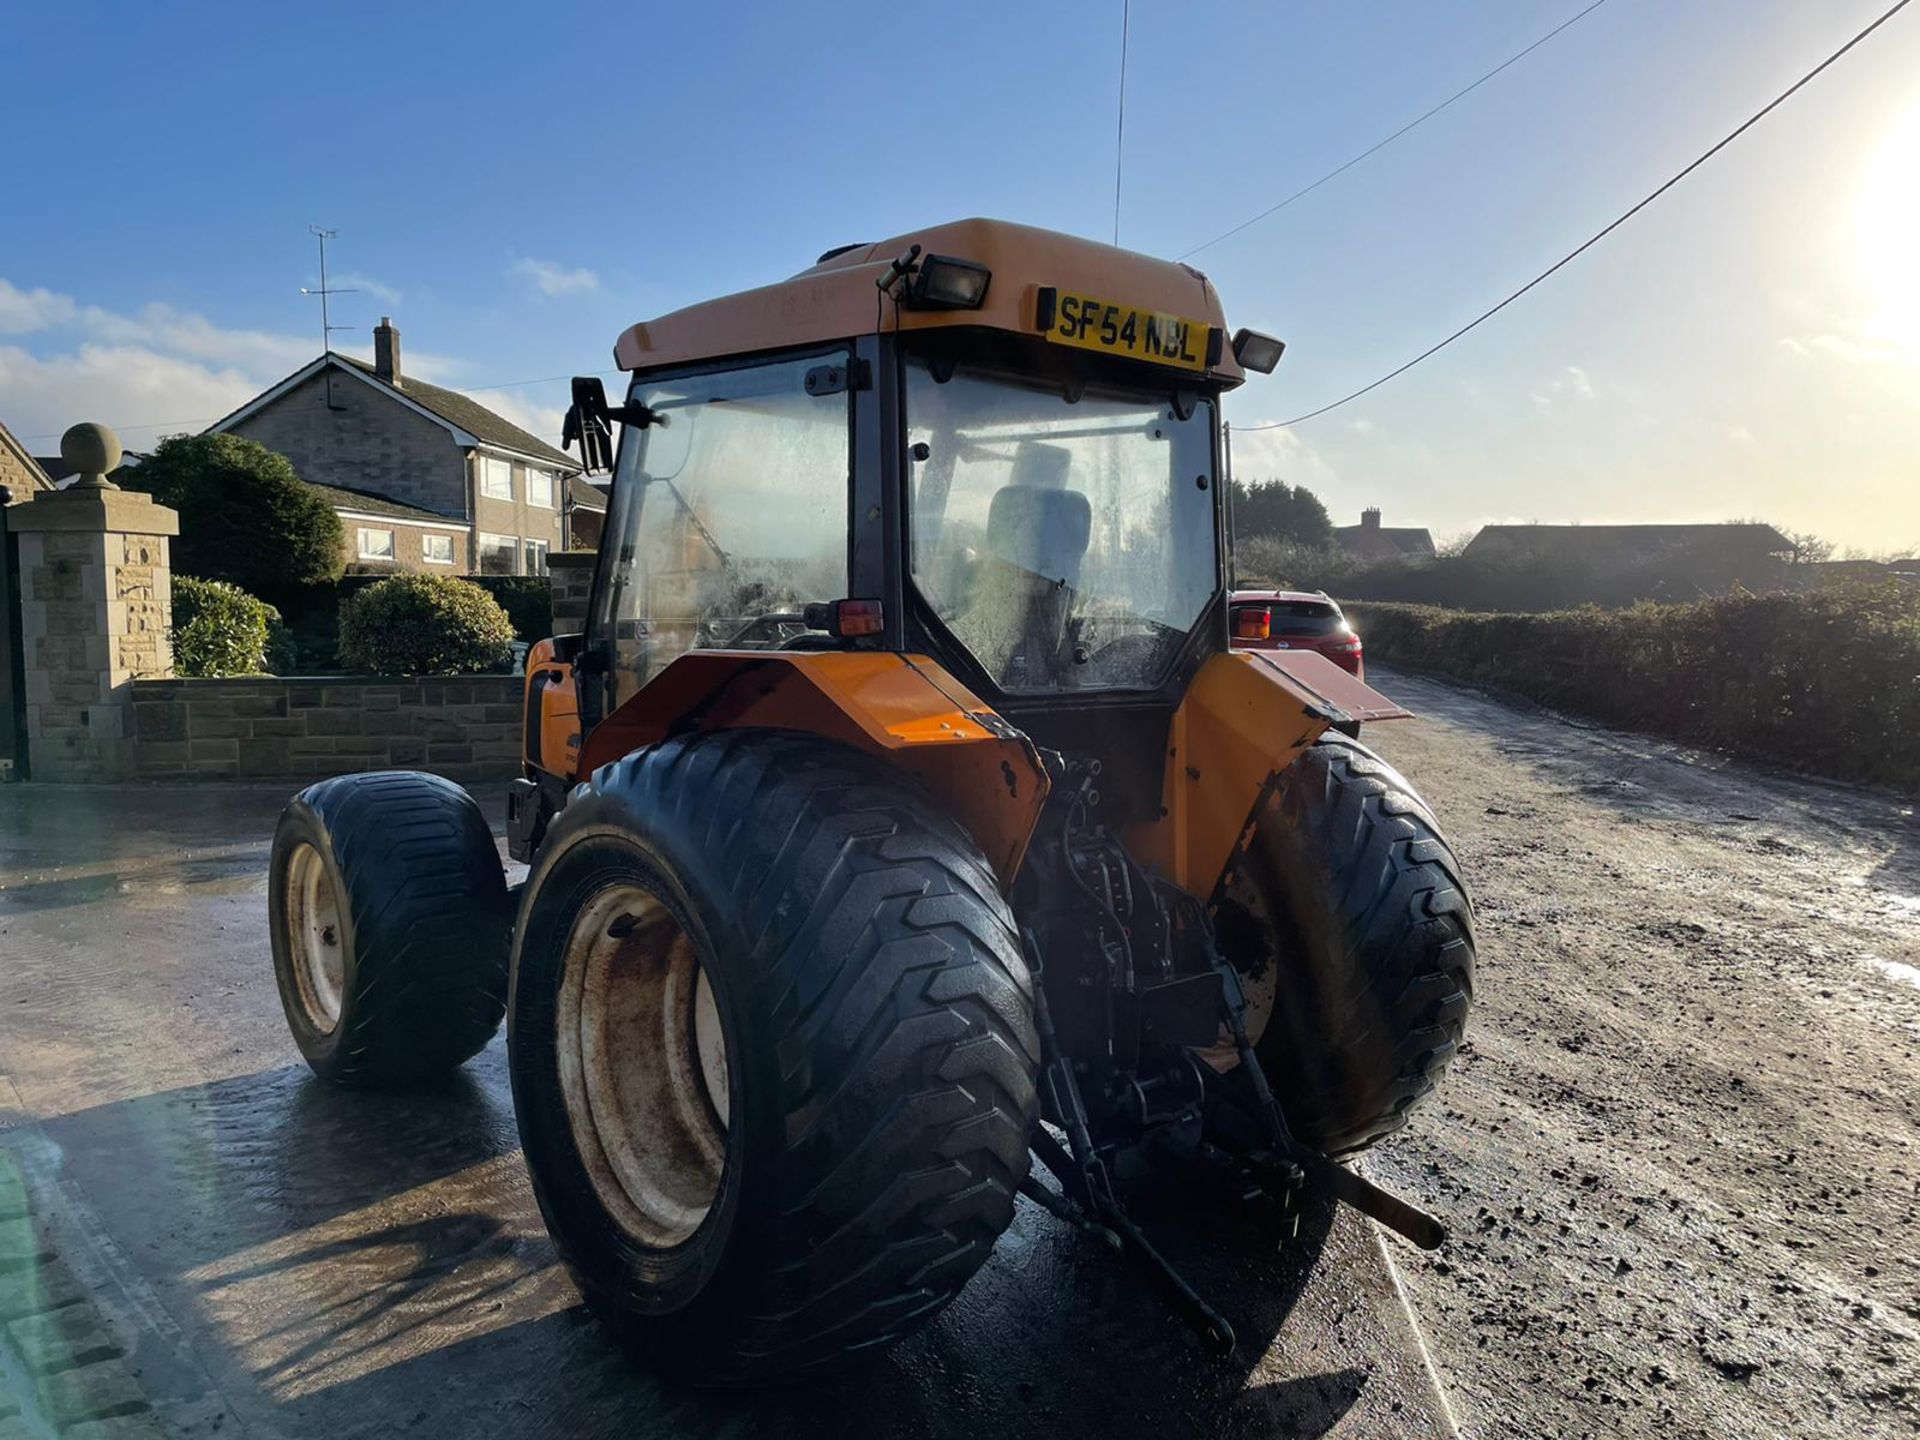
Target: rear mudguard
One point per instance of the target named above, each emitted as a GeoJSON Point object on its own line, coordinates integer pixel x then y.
{"type": "Point", "coordinates": [904, 708]}
{"type": "Point", "coordinates": [1246, 717]}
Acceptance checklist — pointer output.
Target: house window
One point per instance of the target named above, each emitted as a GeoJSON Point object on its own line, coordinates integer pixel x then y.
{"type": "Point", "coordinates": [497, 554]}
{"type": "Point", "coordinates": [496, 478]}
{"type": "Point", "coordinates": [436, 549]}
{"type": "Point", "coordinates": [540, 488]}
{"type": "Point", "coordinates": [376, 544]}
{"type": "Point", "coordinates": [536, 557]}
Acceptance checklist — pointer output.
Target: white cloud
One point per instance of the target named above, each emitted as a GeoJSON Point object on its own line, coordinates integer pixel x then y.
{"type": "Point", "coordinates": [1572, 383]}
{"type": "Point", "coordinates": [366, 284]}
{"type": "Point", "coordinates": [1279, 454]}
{"type": "Point", "coordinates": [22, 311]}
{"type": "Point", "coordinates": [524, 409]}
{"type": "Point", "coordinates": [142, 394]}
{"type": "Point", "coordinates": [1741, 435]}
{"type": "Point", "coordinates": [555, 279]}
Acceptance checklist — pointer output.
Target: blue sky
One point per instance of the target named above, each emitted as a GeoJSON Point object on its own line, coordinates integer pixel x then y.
{"type": "Point", "coordinates": [514, 186]}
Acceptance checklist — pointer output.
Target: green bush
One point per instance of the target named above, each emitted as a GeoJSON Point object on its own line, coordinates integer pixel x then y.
{"type": "Point", "coordinates": [527, 599]}
{"type": "Point", "coordinates": [245, 516]}
{"type": "Point", "coordinates": [219, 629]}
{"type": "Point", "coordinates": [1826, 681]}
{"type": "Point", "coordinates": [423, 625]}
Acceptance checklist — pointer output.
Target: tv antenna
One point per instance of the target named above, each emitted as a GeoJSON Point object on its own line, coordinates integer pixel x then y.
{"type": "Point", "coordinates": [327, 327]}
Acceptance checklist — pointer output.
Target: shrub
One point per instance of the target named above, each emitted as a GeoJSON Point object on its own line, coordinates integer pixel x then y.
{"type": "Point", "coordinates": [423, 625]}
{"type": "Point", "coordinates": [245, 516]}
{"type": "Point", "coordinates": [1826, 681]}
{"type": "Point", "coordinates": [527, 599]}
{"type": "Point", "coordinates": [219, 629]}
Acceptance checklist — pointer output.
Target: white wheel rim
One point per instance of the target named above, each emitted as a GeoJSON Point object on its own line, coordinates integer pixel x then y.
{"type": "Point", "coordinates": [314, 937]}
{"type": "Point", "coordinates": [643, 1066]}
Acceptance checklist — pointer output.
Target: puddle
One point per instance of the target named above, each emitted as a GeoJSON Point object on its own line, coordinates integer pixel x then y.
{"type": "Point", "coordinates": [1896, 970]}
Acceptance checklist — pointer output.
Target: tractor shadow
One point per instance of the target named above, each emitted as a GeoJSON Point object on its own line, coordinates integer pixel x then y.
{"type": "Point", "coordinates": [342, 1263]}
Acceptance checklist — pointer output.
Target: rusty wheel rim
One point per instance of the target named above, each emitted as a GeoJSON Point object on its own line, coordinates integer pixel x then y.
{"type": "Point", "coordinates": [643, 1066]}
{"type": "Point", "coordinates": [314, 939]}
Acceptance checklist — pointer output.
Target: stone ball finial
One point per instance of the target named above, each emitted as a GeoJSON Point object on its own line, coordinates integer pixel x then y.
{"type": "Point", "coordinates": [93, 451]}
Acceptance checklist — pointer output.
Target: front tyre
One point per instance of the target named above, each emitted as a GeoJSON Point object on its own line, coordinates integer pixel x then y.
{"type": "Point", "coordinates": [388, 910]}
{"type": "Point", "coordinates": [772, 1050]}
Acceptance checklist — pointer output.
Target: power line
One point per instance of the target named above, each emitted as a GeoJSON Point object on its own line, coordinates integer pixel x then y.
{"type": "Point", "coordinates": [1381, 145]}
{"type": "Point", "coordinates": [1599, 235]}
{"type": "Point", "coordinates": [1120, 129]}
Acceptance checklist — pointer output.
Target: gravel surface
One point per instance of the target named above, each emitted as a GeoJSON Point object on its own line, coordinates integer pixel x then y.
{"type": "Point", "coordinates": [1681, 1153]}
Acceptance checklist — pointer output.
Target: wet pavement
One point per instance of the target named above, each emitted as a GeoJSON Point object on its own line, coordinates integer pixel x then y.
{"type": "Point", "coordinates": [198, 1237]}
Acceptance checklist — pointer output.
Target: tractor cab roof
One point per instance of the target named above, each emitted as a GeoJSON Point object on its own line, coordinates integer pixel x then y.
{"type": "Point", "coordinates": [835, 298]}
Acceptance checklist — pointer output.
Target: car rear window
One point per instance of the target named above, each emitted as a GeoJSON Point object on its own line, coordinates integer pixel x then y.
{"type": "Point", "coordinates": [1301, 618]}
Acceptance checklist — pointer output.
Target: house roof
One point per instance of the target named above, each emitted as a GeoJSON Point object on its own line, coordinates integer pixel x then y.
{"type": "Point", "coordinates": [470, 422]}
{"type": "Point", "coordinates": [35, 473]}
{"type": "Point", "coordinates": [1742, 536]}
{"type": "Point", "coordinates": [58, 471]}
{"type": "Point", "coordinates": [1407, 539]}
{"type": "Point", "coordinates": [585, 495]}
{"type": "Point", "coordinates": [341, 497]}
{"type": "Point", "coordinates": [471, 416]}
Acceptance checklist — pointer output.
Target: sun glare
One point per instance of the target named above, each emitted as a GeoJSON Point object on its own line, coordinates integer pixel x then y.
{"type": "Point", "coordinates": [1887, 232]}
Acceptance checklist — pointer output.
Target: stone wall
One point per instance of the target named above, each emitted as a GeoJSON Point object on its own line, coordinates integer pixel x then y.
{"type": "Point", "coordinates": [465, 727]}
{"type": "Point", "coordinates": [571, 573]}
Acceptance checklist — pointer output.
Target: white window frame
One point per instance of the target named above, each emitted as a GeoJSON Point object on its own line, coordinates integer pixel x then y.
{"type": "Point", "coordinates": [489, 474]}
{"type": "Point", "coordinates": [527, 548]}
{"type": "Point", "coordinates": [552, 487]}
{"type": "Point", "coordinates": [360, 543]}
{"type": "Point", "coordinates": [511, 543]}
{"type": "Point", "coordinates": [428, 538]}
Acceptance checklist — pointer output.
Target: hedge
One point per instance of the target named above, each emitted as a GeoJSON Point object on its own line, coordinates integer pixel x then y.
{"type": "Point", "coordinates": [1826, 682]}
{"type": "Point", "coordinates": [219, 629]}
{"type": "Point", "coordinates": [424, 625]}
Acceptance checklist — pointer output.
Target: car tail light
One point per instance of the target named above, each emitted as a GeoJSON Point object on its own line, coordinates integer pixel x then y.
{"type": "Point", "coordinates": [1251, 624]}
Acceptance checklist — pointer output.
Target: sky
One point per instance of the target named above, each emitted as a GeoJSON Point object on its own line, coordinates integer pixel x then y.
{"type": "Point", "coordinates": [514, 186]}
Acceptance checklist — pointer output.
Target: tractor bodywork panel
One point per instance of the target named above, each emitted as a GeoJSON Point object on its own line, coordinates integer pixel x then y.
{"type": "Point", "coordinates": [905, 709]}
{"type": "Point", "coordinates": [835, 298]}
{"type": "Point", "coordinates": [1244, 719]}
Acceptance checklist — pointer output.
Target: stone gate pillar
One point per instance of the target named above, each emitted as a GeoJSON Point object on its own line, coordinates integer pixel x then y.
{"type": "Point", "coordinates": [95, 604]}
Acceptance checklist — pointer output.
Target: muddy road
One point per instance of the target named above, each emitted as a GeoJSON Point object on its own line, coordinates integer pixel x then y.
{"type": "Point", "coordinates": [1679, 1158]}
{"type": "Point", "coordinates": [1682, 1154]}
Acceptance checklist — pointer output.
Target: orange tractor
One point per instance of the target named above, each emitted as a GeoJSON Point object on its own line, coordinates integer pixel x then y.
{"type": "Point", "coordinates": [901, 813]}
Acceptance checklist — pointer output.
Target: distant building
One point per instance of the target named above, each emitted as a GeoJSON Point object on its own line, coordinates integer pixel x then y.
{"type": "Point", "coordinates": [1622, 547]}
{"type": "Point", "coordinates": [19, 471]}
{"type": "Point", "coordinates": [422, 477]}
{"type": "Point", "coordinates": [1370, 540]}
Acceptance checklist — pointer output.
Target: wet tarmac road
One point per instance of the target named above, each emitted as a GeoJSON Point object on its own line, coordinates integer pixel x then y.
{"type": "Point", "coordinates": [197, 1236]}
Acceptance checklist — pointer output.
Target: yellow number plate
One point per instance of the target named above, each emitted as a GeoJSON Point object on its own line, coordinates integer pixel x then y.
{"type": "Point", "coordinates": [1091, 324]}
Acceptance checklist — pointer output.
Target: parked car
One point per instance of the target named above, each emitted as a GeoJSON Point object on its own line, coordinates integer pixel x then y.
{"type": "Point", "coordinates": [1296, 620]}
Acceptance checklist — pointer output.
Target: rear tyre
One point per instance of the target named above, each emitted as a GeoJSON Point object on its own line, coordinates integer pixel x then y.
{"type": "Point", "coordinates": [773, 1053]}
{"type": "Point", "coordinates": [1350, 920]}
{"type": "Point", "coordinates": [389, 916]}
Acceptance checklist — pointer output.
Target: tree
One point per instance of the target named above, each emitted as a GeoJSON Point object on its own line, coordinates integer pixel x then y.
{"type": "Point", "coordinates": [1273, 509]}
{"type": "Point", "coordinates": [245, 517]}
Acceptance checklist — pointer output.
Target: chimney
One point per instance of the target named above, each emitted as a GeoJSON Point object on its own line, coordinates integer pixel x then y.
{"type": "Point", "coordinates": [386, 351]}
{"type": "Point", "coordinates": [1369, 517]}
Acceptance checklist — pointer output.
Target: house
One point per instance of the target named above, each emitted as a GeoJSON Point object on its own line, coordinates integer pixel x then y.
{"type": "Point", "coordinates": [1726, 548]}
{"type": "Point", "coordinates": [586, 513]}
{"type": "Point", "coordinates": [1369, 540]}
{"type": "Point", "coordinates": [62, 474]}
{"type": "Point", "coordinates": [20, 473]}
{"type": "Point", "coordinates": [421, 476]}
